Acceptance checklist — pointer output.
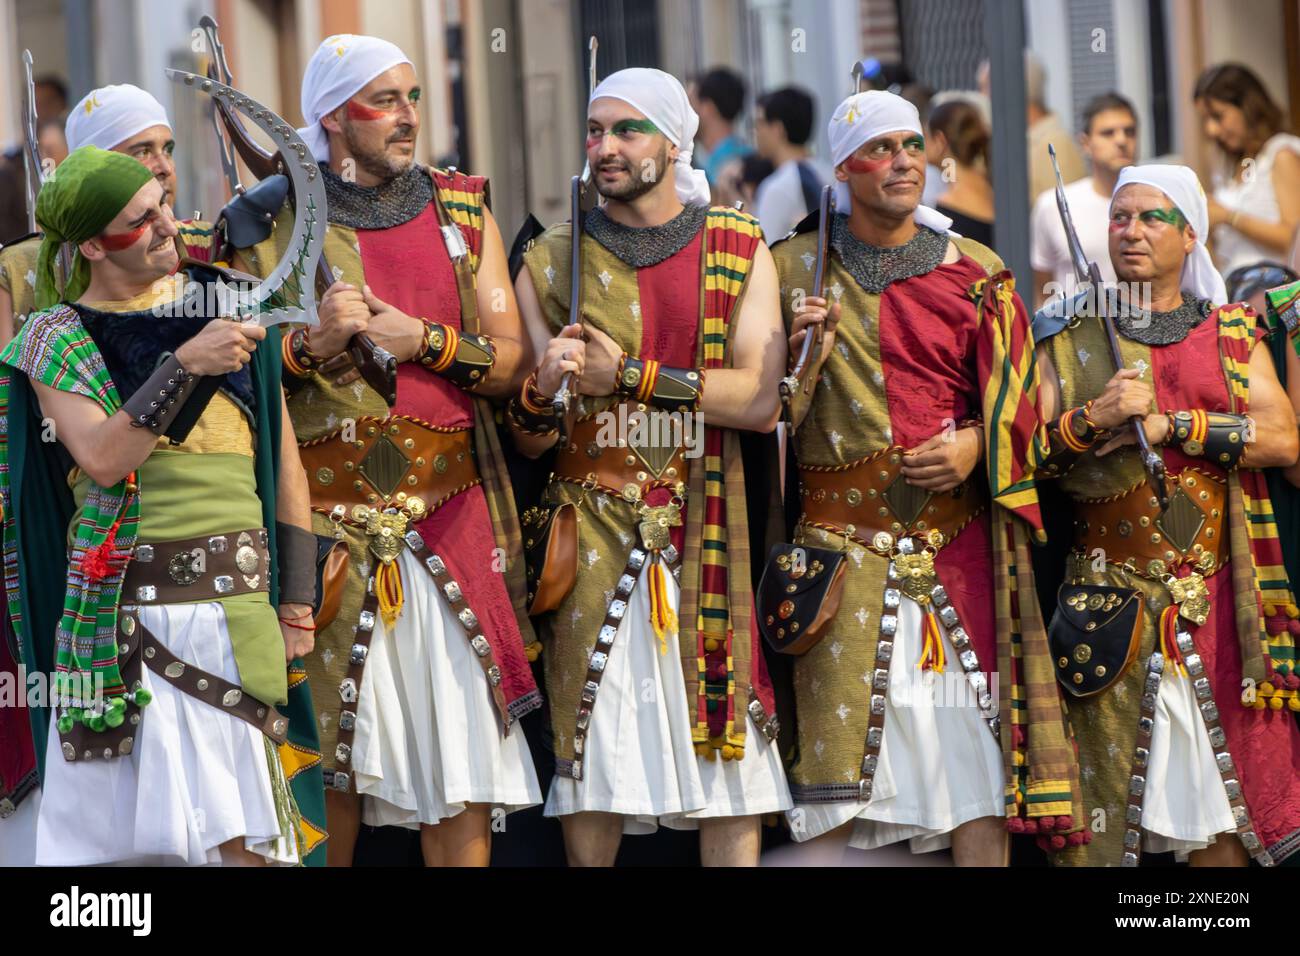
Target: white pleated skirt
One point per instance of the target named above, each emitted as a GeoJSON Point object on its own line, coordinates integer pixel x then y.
{"type": "Point", "coordinates": [639, 758]}
{"type": "Point", "coordinates": [196, 777]}
{"type": "Point", "coordinates": [1185, 806]}
{"type": "Point", "coordinates": [940, 765]}
{"type": "Point", "coordinates": [428, 738]}
{"type": "Point", "coordinates": [18, 833]}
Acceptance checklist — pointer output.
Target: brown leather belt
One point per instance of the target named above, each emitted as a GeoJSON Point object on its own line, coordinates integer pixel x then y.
{"type": "Point", "coordinates": [138, 645]}
{"type": "Point", "coordinates": [870, 498]}
{"type": "Point", "coordinates": [205, 568]}
{"type": "Point", "coordinates": [1130, 529]}
{"type": "Point", "coordinates": [388, 461]}
{"type": "Point", "coordinates": [619, 469]}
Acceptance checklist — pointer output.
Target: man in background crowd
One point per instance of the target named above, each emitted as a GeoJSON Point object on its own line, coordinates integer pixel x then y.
{"type": "Point", "coordinates": [782, 125]}
{"type": "Point", "coordinates": [718, 97]}
{"type": "Point", "coordinates": [1110, 141]}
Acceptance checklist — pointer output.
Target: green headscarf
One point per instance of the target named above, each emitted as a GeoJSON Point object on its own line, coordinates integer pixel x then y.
{"type": "Point", "coordinates": [82, 196]}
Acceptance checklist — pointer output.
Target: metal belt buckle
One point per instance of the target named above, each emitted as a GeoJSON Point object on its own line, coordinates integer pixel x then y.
{"type": "Point", "coordinates": [384, 531]}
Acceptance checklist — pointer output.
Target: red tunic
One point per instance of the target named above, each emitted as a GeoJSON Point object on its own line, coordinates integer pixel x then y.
{"type": "Point", "coordinates": [669, 334]}
{"type": "Point", "coordinates": [1265, 745]}
{"type": "Point", "coordinates": [408, 267]}
{"type": "Point", "coordinates": [927, 356]}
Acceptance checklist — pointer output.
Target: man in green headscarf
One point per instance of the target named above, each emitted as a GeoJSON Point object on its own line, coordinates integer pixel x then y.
{"type": "Point", "coordinates": [167, 661]}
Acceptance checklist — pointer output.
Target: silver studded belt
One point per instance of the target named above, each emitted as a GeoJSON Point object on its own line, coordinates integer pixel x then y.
{"type": "Point", "coordinates": [208, 567]}
{"type": "Point", "coordinates": [137, 646]}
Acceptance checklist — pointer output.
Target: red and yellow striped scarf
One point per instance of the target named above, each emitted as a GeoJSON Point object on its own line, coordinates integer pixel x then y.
{"type": "Point", "coordinates": [1264, 601]}
{"type": "Point", "coordinates": [716, 585]}
{"type": "Point", "coordinates": [1042, 793]}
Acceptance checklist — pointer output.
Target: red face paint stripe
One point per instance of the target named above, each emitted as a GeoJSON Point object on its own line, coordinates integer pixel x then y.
{"type": "Point", "coordinates": [122, 240]}
{"type": "Point", "coordinates": [358, 111]}
{"type": "Point", "coordinates": [855, 165]}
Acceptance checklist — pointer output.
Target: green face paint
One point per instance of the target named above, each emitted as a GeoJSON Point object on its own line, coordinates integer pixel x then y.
{"type": "Point", "coordinates": [915, 143]}
{"type": "Point", "coordinates": [1170, 217]}
{"type": "Point", "coordinates": [634, 126]}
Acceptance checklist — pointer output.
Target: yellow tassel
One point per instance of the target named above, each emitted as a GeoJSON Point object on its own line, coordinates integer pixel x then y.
{"type": "Point", "coordinates": [932, 655]}
{"type": "Point", "coordinates": [662, 615]}
{"type": "Point", "coordinates": [388, 587]}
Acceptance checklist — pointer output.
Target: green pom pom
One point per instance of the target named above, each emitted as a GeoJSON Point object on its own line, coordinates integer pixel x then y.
{"type": "Point", "coordinates": [96, 723]}
{"type": "Point", "coordinates": [116, 704]}
{"type": "Point", "coordinates": [76, 713]}
{"type": "Point", "coordinates": [66, 723]}
{"type": "Point", "coordinates": [142, 697]}
{"type": "Point", "coordinates": [114, 718]}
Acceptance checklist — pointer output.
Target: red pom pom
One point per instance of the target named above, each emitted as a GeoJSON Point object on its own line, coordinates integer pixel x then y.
{"type": "Point", "coordinates": [1031, 825]}
{"type": "Point", "coordinates": [1017, 737]}
{"type": "Point", "coordinates": [1076, 839]}
{"type": "Point", "coordinates": [1016, 825]}
{"type": "Point", "coordinates": [95, 562]}
{"type": "Point", "coordinates": [1046, 824]}
{"type": "Point", "coordinates": [1058, 842]}
{"type": "Point", "coordinates": [1293, 627]}
{"type": "Point", "coordinates": [1087, 836]}
{"type": "Point", "coordinates": [1043, 844]}
{"type": "Point", "coordinates": [1293, 682]}
{"type": "Point", "coordinates": [1065, 823]}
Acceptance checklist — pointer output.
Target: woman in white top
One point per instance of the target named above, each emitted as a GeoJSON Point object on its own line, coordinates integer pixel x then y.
{"type": "Point", "coordinates": [1255, 209]}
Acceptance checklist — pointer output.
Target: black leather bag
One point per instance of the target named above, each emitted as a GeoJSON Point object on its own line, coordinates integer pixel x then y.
{"type": "Point", "coordinates": [1094, 635]}
{"type": "Point", "coordinates": [798, 596]}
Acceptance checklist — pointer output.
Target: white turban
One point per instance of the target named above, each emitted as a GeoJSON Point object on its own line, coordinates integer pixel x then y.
{"type": "Point", "coordinates": [341, 66]}
{"type": "Point", "coordinates": [860, 119]}
{"type": "Point", "coordinates": [111, 115]}
{"type": "Point", "coordinates": [1183, 188]}
{"type": "Point", "coordinates": [663, 101]}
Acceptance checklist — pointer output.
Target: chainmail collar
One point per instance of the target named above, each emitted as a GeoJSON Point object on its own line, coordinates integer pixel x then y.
{"type": "Point", "coordinates": [646, 245]}
{"type": "Point", "coordinates": [875, 268]}
{"type": "Point", "coordinates": [378, 207]}
{"type": "Point", "coordinates": [1163, 328]}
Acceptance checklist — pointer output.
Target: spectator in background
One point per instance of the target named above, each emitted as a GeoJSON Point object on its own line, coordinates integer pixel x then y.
{"type": "Point", "coordinates": [783, 122]}
{"type": "Point", "coordinates": [753, 170]}
{"type": "Point", "coordinates": [52, 140]}
{"type": "Point", "coordinates": [51, 97]}
{"type": "Point", "coordinates": [1255, 209]}
{"type": "Point", "coordinates": [1109, 140]}
{"type": "Point", "coordinates": [1043, 127]}
{"type": "Point", "coordinates": [958, 142]}
{"type": "Point", "coordinates": [718, 97]}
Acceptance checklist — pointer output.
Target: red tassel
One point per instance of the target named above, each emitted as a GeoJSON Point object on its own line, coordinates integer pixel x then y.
{"type": "Point", "coordinates": [98, 561]}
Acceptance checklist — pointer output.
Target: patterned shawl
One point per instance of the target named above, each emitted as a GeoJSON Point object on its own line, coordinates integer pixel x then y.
{"type": "Point", "coordinates": [1043, 793]}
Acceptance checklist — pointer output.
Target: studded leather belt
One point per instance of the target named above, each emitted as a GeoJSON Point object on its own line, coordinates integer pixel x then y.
{"type": "Point", "coordinates": [387, 461]}
{"type": "Point", "coordinates": [617, 467]}
{"type": "Point", "coordinates": [138, 646]}
{"type": "Point", "coordinates": [1130, 530]}
{"type": "Point", "coordinates": [869, 499]}
{"type": "Point", "coordinates": [208, 567]}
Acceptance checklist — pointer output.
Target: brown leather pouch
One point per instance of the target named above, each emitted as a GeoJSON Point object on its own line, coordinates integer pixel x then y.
{"type": "Point", "coordinates": [1094, 635]}
{"type": "Point", "coordinates": [798, 596]}
{"type": "Point", "coordinates": [332, 560]}
{"type": "Point", "coordinates": [550, 554]}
